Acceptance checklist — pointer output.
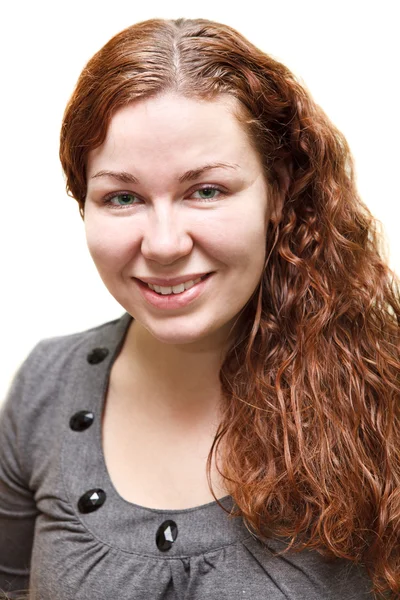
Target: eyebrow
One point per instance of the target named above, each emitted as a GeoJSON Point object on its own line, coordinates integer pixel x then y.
{"type": "Point", "coordinates": [188, 176]}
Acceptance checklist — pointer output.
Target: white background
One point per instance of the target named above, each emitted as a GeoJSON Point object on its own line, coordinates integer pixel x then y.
{"type": "Point", "coordinates": [346, 53]}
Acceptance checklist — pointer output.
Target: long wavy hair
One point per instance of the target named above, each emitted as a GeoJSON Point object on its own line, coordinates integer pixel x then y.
{"type": "Point", "coordinates": [311, 421]}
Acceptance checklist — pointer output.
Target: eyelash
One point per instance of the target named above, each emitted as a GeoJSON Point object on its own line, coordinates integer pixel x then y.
{"type": "Point", "coordinates": [107, 199]}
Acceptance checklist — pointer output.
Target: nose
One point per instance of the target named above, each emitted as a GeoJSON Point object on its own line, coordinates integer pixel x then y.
{"type": "Point", "coordinates": [166, 236]}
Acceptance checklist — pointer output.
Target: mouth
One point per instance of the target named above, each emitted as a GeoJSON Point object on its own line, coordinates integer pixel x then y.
{"type": "Point", "coordinates": [174, 289]}
{"type": "Point", "coordinates": [177, 297]}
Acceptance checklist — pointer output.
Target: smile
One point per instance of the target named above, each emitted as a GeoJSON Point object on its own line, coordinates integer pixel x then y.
{"type": "Point", "coordinates": [177, 296]}
{"type": "Point", "coordinates": [175, 289]}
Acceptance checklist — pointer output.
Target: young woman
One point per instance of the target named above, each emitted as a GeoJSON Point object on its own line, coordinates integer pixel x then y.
{"type": "Point", "coordinates": [235, 433]}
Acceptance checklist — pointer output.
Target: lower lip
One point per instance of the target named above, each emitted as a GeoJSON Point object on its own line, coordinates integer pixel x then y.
{"type": "Point", "coordinates": [173, 301]}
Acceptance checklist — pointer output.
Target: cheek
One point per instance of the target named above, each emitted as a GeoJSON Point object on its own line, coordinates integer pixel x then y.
{"type": "Point", "coordinates": [108, 245]}
{"type": "Point", "coordinates": [240, 238]}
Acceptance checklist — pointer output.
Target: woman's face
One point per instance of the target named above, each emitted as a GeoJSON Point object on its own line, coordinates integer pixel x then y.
{"type": "Point", "coordinates": [155, 210]}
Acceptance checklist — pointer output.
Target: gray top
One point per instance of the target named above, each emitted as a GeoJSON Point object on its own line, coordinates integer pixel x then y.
{"type": "Point", "coordinates": [113, 551]}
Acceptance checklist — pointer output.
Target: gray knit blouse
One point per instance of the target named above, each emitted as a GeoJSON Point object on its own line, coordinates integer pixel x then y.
{"type": "Point", "coordinates": [67, 534]}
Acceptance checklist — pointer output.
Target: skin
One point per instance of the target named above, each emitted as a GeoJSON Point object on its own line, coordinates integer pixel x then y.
{"type": "Point", "coordinates": [173, 357]}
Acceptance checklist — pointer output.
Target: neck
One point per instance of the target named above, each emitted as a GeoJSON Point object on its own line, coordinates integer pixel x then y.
{"type": "Point", "coordinates": [171, 380]}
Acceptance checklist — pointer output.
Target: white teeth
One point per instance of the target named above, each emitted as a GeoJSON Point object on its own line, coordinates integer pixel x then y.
{"type": "Point", "coordinates": [175, 289]}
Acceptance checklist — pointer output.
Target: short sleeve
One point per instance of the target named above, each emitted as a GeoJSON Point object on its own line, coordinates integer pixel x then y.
{"type": "Point", "coordinates": [17, 505]}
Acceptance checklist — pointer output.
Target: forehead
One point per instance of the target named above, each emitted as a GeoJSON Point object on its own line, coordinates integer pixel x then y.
{"type": "Point", "coordinates": [170, 129]}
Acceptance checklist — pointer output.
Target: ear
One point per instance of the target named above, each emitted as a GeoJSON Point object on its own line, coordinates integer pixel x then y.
{"type": "Point", "coordinates": [279, 190]}
{"type": "Point", "coordinates": [285, 172]}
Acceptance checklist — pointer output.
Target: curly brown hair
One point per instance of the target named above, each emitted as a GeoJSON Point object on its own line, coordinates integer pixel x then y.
{"type": "Point", "coordinates": [311, 383]}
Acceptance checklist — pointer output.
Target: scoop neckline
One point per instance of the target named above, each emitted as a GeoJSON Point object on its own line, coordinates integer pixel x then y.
{"type": "Point", "coordinates": [124, 324]}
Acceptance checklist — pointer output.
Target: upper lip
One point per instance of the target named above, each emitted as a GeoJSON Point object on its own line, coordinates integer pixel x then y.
{"type": "Point", "coordinates": [172, 281]}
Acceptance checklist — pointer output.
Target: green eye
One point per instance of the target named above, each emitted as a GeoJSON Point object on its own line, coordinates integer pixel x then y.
{"type": "Point", "coordinates": [122, 200]}
{"type": "Point", "coordinates": [208, 193]}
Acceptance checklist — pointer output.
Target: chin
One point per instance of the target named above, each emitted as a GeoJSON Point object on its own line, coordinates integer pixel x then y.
{"type": "Point", "coordinates": [179, 338]}
{"type": "Point", "coordinates": [178, 333]}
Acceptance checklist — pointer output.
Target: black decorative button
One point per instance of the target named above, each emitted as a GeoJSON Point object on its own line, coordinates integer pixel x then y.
{"type": "Point", "coordinates": [97, 355]}
{"type": "Point", "coordinates": [166, 535]}
{"type": "Point", "coordinates": [91, 501]}
{"type": "Point", "coordinates": [81, 420]}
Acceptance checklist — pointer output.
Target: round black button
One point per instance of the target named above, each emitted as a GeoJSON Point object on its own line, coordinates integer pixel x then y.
{"type": "Point", "coordinates": [81, 420]}
{"type": "Point", "coordinates": [97, 355]}
{"type": "Point", "coordinates": [166, 535]}
{"type": "Point", "coordinates": [91, 501]}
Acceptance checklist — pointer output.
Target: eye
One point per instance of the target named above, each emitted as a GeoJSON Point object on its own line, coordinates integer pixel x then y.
{"type": "Point", "coordinates": [209, 192]}
{"type": "Point", "coordinates": [119, 200]}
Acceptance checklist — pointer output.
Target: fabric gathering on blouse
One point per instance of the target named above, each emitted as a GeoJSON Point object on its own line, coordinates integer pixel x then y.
{"type": "Point", "coordinates": [67, 534]}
